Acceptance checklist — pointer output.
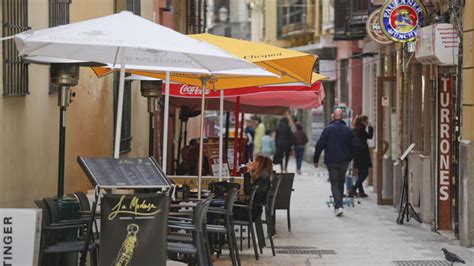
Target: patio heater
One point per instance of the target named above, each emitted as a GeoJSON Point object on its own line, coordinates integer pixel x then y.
{"type": "Point", "coordinates": [65, 76]}
{"type": "Point", "coordinates": [151, 89]}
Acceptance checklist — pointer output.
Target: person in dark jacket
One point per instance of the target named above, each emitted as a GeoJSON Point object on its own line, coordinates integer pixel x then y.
{"type": "Point", "coordinates": [364, 131]}
{"type": "Point", "coordinates": [300, 141]}
{"type": "Point", "coordinates": [284, 140]}
{"type": "Point", "coordinates": [339, 144]}
{"type": "Point", "coordinates": [259, 172]}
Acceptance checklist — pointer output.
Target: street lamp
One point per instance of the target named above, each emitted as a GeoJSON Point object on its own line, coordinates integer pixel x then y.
{"type": "Point", "coordinates": [223, 14]}
{"type": "Point", "coordinates": [224, 19]}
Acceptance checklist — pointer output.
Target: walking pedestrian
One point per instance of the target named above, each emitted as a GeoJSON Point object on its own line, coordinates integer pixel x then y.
{"type": "Point", "coordinates": [259, 133]}
{"type": "Point", "coordinates": [300, 141]}
{"type": "Point", "coordinates": [363, 131]}
{"type": "Point", "coordinates": [268, 148]}
{"type": "Point", "coordinates": [284, 139]}
{"type": "Point", "coordinates": [250, 133]}
{"type": "Point", "coordinates": [338, 143]}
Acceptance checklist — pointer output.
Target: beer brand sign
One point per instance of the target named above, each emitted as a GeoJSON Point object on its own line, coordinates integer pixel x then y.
{"type": "Point", "coordinates": [401, 19]}
{"type": "Point", "coordinates": [445, 152]}
{"type": "Point", "coordinates": [374, 30]}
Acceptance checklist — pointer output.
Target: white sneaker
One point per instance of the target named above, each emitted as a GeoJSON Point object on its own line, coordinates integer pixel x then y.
{"type": "Point", "coordinates": [339, 212]}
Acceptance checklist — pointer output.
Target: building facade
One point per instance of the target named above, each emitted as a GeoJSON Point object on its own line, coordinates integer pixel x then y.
{"type": "Point", "coordinates": [408, 96]}
{"type": "Point", "coordinates": [29, 114]}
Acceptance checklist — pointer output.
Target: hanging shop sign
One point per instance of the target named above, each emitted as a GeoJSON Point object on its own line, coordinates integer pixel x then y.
{"type": "Point", "coordinates": [437, 44]}
{"type": "Point", "coordinates": [134, 229]}
{"type": "Point", "coordinates": [374, 30]}
{"type": "Point", "coordinates": [401, 19]}
{"type": "Point", "coordinates": [445, 152]}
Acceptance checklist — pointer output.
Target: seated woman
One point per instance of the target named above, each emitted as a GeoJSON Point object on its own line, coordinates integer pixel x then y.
{"type": "Point", "coordinates": [259, 172]}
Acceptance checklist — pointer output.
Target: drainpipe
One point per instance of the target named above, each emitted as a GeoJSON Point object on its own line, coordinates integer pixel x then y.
{"type": "Point", "coordinates": [457, 20]}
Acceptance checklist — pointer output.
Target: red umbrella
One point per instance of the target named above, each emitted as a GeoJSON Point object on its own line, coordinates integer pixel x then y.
{"type": "Point", "coordinates": [258, 99]}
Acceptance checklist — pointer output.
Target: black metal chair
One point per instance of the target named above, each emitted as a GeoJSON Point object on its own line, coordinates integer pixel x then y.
{"type": "Point", "coordinates": [195, 244]}
{"type": "Point", "coordinates": [85, 209]}
{"type": "Point", "coordinates": [269, 212]}
{"type": "Point", "coordinates": [283, 198]}
{"type": "Point", "coordinates": [50, 246]}
{"type": "Point", "coordinates": [248, 223]}
{"type": "Point", "coordinates": [228, 228]}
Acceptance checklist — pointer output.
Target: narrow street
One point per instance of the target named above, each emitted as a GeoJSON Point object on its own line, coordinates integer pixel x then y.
{"type": "Point", "coordinates": [366, 235]}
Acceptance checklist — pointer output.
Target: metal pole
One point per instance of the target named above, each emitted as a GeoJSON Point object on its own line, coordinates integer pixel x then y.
{"type": "Point", "coordinates": [165, 122]}
{"type": "Point", "coordinates": [227, 129]}
{"type": "Point", "coordinates": [62, 148]}
{"type": "Point", "coordinates": [236, 134]}
{"type": "Point", "coordinates": [118, 125]}
{"type": "Point", "coordinates": [201, 136]}
{"type": "Point", "coordinates": [221, 133]}
{"type": "Point", "coordinates": [242, 118]}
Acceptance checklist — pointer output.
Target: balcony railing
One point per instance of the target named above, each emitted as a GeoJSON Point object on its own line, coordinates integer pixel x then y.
{"type": "Point", "coordinates": [350, 17]}
{"type": "Point", "coordinates": [296, 29]}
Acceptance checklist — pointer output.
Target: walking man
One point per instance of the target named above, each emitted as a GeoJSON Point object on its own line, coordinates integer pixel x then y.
{"type": "Point", "coordinates": [339, 144]}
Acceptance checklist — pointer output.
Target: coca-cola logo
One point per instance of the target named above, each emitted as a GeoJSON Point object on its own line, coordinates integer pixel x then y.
{"type": "Point", "coordinates": [191, 90]}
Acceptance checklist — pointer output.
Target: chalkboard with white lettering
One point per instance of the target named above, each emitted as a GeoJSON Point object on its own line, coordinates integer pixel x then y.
{"type": "Point", "coordinates": [124, 172]}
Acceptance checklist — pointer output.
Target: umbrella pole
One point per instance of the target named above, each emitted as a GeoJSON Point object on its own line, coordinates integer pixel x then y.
{"type": "Point", "coordinates": [226, 139]}
{"type": "Point", "coordinates": [165, 123]}
{"type": "Point", "coordinates": [241, 155]}
{"type": "Point", "coordinates": [236, 134]}
{"type": "Point", "coordinates": [118, 124]}
{"type": "Point", "coordinates": [201, 136]}
{"type": "Point", "coordinates": [221, 132]}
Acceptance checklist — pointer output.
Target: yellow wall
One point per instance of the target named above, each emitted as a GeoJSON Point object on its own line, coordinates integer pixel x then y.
{"type": "Point", "coordinates": [467, 130]}
{"type": "Point", "coordinates": [271, 25]}
{"type": "Point", "coordinates": [29, 124]}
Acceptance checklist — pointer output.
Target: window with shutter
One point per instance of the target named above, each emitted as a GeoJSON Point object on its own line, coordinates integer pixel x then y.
{"type": "Point", "coordinates": [58, 15]}
{"type": "Point", "coordinates": [15, 71]}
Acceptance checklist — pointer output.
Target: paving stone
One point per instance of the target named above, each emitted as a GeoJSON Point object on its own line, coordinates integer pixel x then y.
{"type": "Point", "coordinates": [366, 235]}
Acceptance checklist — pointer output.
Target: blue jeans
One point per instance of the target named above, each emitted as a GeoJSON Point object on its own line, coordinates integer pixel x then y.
{"type": "Point", "coordinates": [363, 173]}
{"type": "Point", "coordinates": [299, 152]}
{"type": "Point", "coordinates": [337, 177]}
{"type": "Point", "coordinates": [250, 152]}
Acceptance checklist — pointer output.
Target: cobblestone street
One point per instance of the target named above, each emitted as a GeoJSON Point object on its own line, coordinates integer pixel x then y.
{"type": "Point", "coordinates": [366, 235]}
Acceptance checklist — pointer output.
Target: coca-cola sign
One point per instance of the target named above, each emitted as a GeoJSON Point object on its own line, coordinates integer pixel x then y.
{"type": "Point", "coordinates": [191, 90]}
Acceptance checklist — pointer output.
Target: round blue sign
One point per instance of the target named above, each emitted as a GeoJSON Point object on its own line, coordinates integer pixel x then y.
{"type": "Point", "coordinates": [401, 19]}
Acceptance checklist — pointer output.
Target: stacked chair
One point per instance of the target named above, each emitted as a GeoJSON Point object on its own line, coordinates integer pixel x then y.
{"type": "Point", "coordinates": [227, 228]}
{"type": "Point", "coordinates": [51, 245]}
{"type": "Point", "coordinates": [194, 242]}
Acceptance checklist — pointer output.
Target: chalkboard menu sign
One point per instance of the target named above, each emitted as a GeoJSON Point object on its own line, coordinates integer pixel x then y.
{"type": "Point", "coordinates": [124, 172]}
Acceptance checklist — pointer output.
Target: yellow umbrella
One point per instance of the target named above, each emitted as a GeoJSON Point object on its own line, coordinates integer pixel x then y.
{"type": "Point", "coordinates": [289, 65]}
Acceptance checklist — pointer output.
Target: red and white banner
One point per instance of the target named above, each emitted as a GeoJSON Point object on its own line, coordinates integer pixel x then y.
{"type": "Point", "coordinates": [184, 90]}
